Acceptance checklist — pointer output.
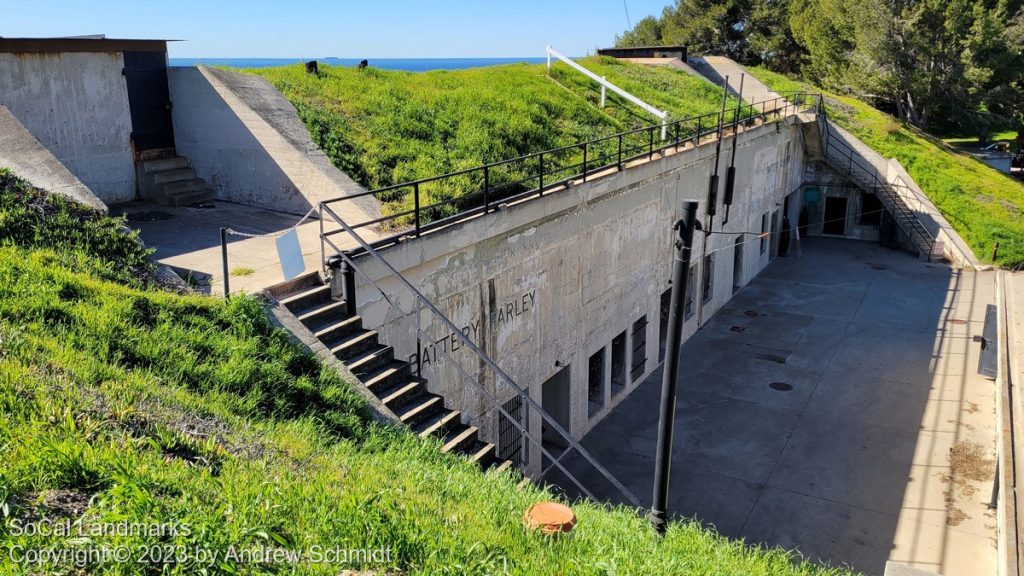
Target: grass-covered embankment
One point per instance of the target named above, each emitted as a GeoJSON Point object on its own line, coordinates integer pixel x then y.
{"type": "Point", "coordinates": [388, 127]}
{"type": "Point", "coordinates": [983, 205]}
{"type": "Point", "coordinates": [123, 405]}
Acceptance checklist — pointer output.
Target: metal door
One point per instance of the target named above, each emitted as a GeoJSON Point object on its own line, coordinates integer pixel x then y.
{"type": "Point", "coordinates": [149, 101]}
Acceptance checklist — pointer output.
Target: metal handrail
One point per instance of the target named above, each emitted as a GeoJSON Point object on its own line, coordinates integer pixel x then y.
{"type": "Point", "coordinates": [421, 299]}
{"type": "Point", "coordinates": [852, 159]}
{"type": "Point", "coordinates": [545, 170]}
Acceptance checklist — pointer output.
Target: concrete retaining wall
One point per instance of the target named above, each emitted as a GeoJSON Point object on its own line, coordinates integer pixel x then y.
{"type": "Point", "coordinates": [246, 139]}
{"type": "Point", "coordinates": [76, 105]}
{"type": "Point", "coordinates": [22, 153]}
{"type": "Point", "coordinates": [556, 279]}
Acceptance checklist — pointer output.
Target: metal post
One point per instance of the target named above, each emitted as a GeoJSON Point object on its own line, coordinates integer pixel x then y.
{"type": "Point", "coordinates": [540, 174]}
{"type": "Point", "coordinates": [669, 381]}
{"type": "Point", "coordinates": [696, 139]}
{"type": "Point", "coordinates": [487, 188]}
{"type": "Point", "coordinates": [620, 152]}
{"type": "Point", "coordinates": [224, 258]}
{"type": "Point", "coordinates": [584, 161]}
{"type": "Point", "coordinates": [993, 502]}
{"type": "Point", "coordinates": [995, 251]}
{"type": "Point", "coordinates": [416, 202]}
{"type": "Point", "coordinates": [650, 153]}
{"type": "Point", "coordinates": [348, 287]}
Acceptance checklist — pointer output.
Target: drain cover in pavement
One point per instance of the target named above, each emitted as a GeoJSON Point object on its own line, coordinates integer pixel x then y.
{"type": "Point", "coordinates": [780, 386]}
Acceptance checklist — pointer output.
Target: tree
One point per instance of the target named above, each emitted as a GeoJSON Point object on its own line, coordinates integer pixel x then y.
{"type": "Point", "coordinates": [647, 32]}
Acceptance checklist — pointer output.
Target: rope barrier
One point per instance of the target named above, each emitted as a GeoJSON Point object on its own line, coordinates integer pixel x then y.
{"type": "Point", "coordinates": [234, 232]}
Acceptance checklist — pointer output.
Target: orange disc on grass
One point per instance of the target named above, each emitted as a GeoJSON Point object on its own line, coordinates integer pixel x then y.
{"type": "Point", "coordinates": [549, 518]}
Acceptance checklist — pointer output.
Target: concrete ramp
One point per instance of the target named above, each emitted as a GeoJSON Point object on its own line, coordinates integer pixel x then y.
{"type": "Point", "coordinates": [716, 68]}
{"type": "Point", "coordinates": [669, 63]}
{"type": "Point", "coordinates": [21, 152]}
{"type": "Point", "coordinates": [244, 138]}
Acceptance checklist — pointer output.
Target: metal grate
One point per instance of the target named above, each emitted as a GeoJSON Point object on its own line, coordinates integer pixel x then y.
{"type": "Point", "coordinates": [512, 443]}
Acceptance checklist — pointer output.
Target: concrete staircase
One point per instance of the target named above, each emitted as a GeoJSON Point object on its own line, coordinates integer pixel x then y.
{"type": "Point", "coordinates": [390, 380]}
{"type": "Point", "coordinates": [172, 182]}
{"type": "Point", "coordinates": [891, 200]}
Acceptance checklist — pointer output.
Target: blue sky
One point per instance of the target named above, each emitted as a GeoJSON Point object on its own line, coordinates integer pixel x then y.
{"type": "Point", "coordinates": [348, 28]}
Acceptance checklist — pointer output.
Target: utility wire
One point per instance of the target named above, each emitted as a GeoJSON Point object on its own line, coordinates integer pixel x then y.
{"type": "Point", "coordinates": [629, 25]}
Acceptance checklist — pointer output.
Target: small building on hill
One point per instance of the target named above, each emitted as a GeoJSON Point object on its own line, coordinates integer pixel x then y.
{"type": "Point", "coordinates": [645, 52]}
{"type": "Point", "coordinates": [96, 104]}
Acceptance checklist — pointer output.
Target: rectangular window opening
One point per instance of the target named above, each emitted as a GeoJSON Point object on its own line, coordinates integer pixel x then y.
{"type": "Point", "coordinates": [595, 383]}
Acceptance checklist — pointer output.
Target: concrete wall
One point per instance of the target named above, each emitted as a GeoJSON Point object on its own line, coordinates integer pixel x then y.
{"type": "Point", "coordinates": [76, 105]}
{"type": "Point", "coordinates": [555, 279]}
{"type": "Point", "coordinates": [243, 137]}
{"type": "Point", "coordinates": [23, 154]}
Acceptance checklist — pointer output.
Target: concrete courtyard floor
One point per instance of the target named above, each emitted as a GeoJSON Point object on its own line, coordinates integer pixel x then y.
{"type": "Point", "coordinates": [882, 450]}
{"type": "Point", "coordinates": [188, 239]}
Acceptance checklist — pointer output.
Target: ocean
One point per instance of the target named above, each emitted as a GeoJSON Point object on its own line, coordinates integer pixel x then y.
{"type": "Point", "coordinates": [408, 64]}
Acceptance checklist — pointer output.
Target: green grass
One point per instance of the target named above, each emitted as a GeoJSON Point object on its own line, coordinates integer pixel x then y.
{"type": "Point", "coordinates": [983, 205]}
{"type": "Point", "coordinates": [150, 407]}
{"type": "Point", "coordinates": [961, 141]}
{"type": "Point", "coordinates": [389, 127]}
{"type": "Point", "coordinates": [242, 271]}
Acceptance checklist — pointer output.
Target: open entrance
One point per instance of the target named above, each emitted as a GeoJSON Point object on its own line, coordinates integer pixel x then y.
{"type": "Point", "coordinates": [618, 364]}
{"type": "Point", "coordinates": [870, 210]}
{"type": "Point", "coordinates": [555, 395]}
{"type": "Point", "coordinates": [835, 216]}
{"type": "Point", "coordinates": [737, 265]}
{"type": "Point", "coordinates": [595, 383]}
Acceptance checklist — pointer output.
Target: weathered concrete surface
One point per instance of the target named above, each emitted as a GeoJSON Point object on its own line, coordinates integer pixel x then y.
{"type": "Point", "coordinates": [188, 238]}
{"type": "Point", "coordinates": [1010, 415]}
{"type": "Point", "coordinates": [716, 68]}
{"type": "Point", "coordinates": [247, 140]}
{"type": "Point", "coordinates": [853, 465]}
{"type": "Point", "coordinates": [22, 153]}
{"type": "Point", "coordinates": [76, 105]}
{"type": "Point", "coordinates": [551, 281]}
{"type": "Point", "coordinates": [953, 246]}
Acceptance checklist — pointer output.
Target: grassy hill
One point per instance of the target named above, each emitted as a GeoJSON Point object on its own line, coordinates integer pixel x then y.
{"type": "Point", "coordinates": [388, 127]}
{"type": "Point", "coordinates": [983, 205]}
{"type": "Point", "coordinates": [125, 405]}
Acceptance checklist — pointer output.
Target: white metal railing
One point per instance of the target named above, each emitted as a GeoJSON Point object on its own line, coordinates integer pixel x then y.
{"type": "Point", "coordinates": [660, 114]}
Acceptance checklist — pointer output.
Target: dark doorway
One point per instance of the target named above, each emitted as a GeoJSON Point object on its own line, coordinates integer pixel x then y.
{"type": "Point", "coordinates": [555, 401]}
{"type": "Point", "coordinates": [775, 234]}
{"type": "Point", "coordinates": [595, 383]}
{"type": "Point", "coordinates": [639, 349]}
{"type": "Point", "coordinates": [149, 101]}
{"type": "Point", "coordinates": [618, 364]}
{"type": "Point", "coordinates": [870, 210]}
{"type": "Point", "coordinates": [835, 216]}
{"type": "Point", "coordinates": [737, 265]}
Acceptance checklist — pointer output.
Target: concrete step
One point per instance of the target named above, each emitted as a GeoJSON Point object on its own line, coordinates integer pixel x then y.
{"type": "Point", "coordinates": [501, 467]}
{"type": "Point", "coordinates": [175, 175]}
{"type": "Point", "coordinates": [184, 186]}
{"type": "Point", "coordinates": [304, 302]}
{"type": "Point", "coordinates": [387, 376]}
{"type": "Point", "coordinates": [439, 424]}
{"type": "Point", "coordinates": [192, 198]}
{"type": "Point", "coordinates": [483, 454]}
{"type": "Point", "coordinates": [150, 166]}
{"type": "Point", "coordinates": [338, 328]}
{"type": "Point", "coordinates": [355, 344]}
{"type": "Point", "coordinates": [426, 408]}
{"type": "Point", "coordinates": [371, 360]}
{"type": "Point", "coordinates": [321, 313]}
{"type": "Point", "coordinates": [461, 441]}
{"type": "Point", "coordinates": [403, 394]}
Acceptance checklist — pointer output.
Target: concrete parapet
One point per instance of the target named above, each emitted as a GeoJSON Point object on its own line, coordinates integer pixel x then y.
{"type": "Point", "coordinates": [21, 152]}
{"type": "Point", "coordinates": [248, 142]}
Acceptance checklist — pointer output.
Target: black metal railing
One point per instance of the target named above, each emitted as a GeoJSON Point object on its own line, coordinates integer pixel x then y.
{"type": "Point", "coordinates": [848, 161]}
{"type": "Point", "coordinates": [414, 208]}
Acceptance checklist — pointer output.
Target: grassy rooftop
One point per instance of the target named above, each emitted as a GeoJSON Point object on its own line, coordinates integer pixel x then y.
{"type": "Point", "coordinates": [123, 403]}
{"type": "Point", "coordinates": [982, 204]}
{"type": "Point", "coordinates": [388, 127]}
